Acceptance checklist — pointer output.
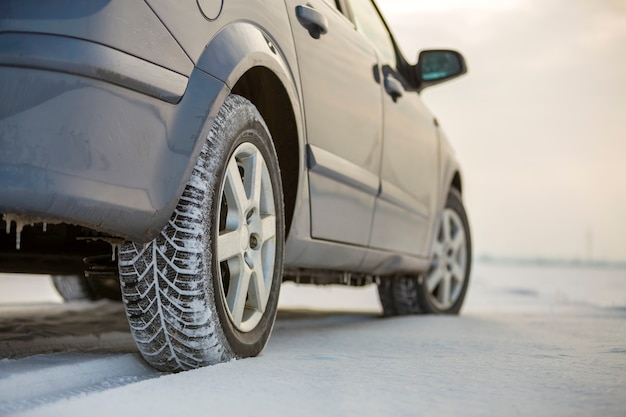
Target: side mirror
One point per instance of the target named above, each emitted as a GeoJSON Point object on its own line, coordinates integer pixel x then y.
{"type": "Point", "coordinates": [437, 66]}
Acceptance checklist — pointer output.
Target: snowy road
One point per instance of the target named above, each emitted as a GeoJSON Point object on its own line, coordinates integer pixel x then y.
{"type": "Point", "coordinates": [531, 341]}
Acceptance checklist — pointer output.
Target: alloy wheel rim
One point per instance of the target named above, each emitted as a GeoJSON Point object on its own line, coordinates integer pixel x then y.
{"type": "Point", "coordinates": [246, 242]}
{"type": "Point", "coordinates": [446, 277]}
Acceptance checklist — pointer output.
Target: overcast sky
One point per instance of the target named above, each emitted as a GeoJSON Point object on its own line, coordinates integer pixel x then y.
{"type": "Point", "coordinates": [539, 123]}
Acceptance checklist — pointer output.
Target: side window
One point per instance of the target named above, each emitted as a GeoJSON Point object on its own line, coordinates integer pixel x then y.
{"type": "Point", "coordinates": [332, 3]}
{"type": "Point", "coordinates": [369, 23]}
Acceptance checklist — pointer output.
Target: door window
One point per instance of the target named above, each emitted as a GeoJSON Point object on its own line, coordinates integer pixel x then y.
{"type": "Point", "coordinates": [370, 24]}
{"type": "Point", "coordinates": [332, 3]}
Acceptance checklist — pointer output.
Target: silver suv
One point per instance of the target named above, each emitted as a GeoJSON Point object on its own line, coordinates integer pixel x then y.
{"type": "Point", "coordinates": [195, 154]}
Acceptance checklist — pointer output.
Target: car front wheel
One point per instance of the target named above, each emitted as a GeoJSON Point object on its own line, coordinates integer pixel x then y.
{"type": "Point", "coordinates": [80, 288]}
{"type": "Point", "coordinates": [442, 289]}
{"type": "Point", "coordinates": [206, 289]}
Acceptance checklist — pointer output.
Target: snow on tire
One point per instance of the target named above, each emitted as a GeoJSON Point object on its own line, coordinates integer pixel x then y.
{"type": "Point", "coordinates": [206, 289]}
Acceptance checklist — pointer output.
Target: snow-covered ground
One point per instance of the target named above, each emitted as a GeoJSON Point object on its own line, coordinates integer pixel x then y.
{"type": "Point", "coordinates": [540, 341]}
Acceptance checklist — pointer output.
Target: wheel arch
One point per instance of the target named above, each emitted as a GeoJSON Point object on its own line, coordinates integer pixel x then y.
{"type": "Point", "coordinates": [450, 178]}
{"type": "Point", "coordinates": [456, 182]}
{"type": "Point", "coordinates": [252, 65]}
{"type": "Point", "coordinates": [263, 88]}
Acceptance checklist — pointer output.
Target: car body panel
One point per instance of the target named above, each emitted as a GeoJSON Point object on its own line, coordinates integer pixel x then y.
{"type": "Point", "coordinates": [97, 169]}
{"type": "Point", "coordinates": [450, 175]}
{"type": "Point", "coordinates": [125, 25]}
{"type": "Point", "coordinates": [338, 72]}
{"type": "Point", "coordinates": [111, 100]}
{"type": "Point", "coordinates": [92, 60]}
{"type": "Point", "coordinates": [135, 195]}
{"type": "Point", "coordinates": [194, 32]}
{"type": "Point", "coordinates": [410, 179]}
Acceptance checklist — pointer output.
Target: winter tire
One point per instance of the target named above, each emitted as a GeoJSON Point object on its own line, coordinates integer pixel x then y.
{"type": "Point", "coordinates": [442, 289]}
{"type": "Point", "coordinates": [398, 296]}
{"type": "Point", "coordinates": [73, 288]}
{"type": "Point", "coordinates": [206, 289]}
{"type": "Point", "coordinates": [80, 288]}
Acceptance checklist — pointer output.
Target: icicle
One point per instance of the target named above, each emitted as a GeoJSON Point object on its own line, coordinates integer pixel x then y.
{"type": "Point", "coordinates": [113, 250]}
{"type": "Point", "coordinates": [18, 234]}
{"type": "Point", "coordinates": [21, 221]}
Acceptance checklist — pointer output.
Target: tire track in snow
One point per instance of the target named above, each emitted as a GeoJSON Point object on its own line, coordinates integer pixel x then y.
{"type": "Point", "coordinates": [51, 328]}
{"type": "Point", "coordinates": [50, 352]}
{"type": "Point", "coordinates": [39, 380]}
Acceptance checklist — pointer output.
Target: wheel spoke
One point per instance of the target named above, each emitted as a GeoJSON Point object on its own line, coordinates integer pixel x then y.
{"type": "Point", "coordinates": [238, 293]}
{"type": "Point", "coordinates": [458, 241]}
{"type": "Point", "coordinates": [458, 272]}
{"type": "Point", "coordinates": [268, 227]}
{"type": "Point", "coordinates": [444, 290]}
{"type": "Point", "coordinates": [434, 279]}
{"type": "Point", "coordinates": [258, 293]}
{"type": "Point", "coordinates": [228, 245]}
{"type": "Point", "coordinates": [255, 179]}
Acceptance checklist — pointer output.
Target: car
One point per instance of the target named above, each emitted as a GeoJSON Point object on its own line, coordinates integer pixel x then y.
{"type": "Point", "coordinates": [187, 157]}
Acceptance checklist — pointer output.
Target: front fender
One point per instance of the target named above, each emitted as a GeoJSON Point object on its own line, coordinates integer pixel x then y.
{"type": "Point", "coordinates": [449, 168]}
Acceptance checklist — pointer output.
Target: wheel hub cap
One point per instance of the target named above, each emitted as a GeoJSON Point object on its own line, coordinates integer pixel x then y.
{"type": "Point", "coordinates": [246, 241]}
{"type": "Point", "coordinates": [245, 237]}
{"type": "Point", "coordinates": [446, 277]}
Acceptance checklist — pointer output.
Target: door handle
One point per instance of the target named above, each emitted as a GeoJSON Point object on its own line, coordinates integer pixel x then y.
{"type": "Point", "coordinates": [315, 22]}
{"type": "Point", "coordinates": [393, 87]}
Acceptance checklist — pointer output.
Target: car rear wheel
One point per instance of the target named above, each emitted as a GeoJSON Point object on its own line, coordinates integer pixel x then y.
{"type": "Point", "coordinates": [206, 289]}
{"type": "Point", "coordinates": [442, 289]}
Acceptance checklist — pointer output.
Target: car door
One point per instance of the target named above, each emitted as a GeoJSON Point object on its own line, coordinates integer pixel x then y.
{"type": "Point", "coordinates": [343, 110]}
{"type": "Point", "coordinates": [406, 205]}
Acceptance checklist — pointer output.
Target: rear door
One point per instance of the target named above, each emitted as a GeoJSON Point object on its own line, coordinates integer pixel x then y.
{"type": "Point", "coordinates": [406, 205]}
{"type": "Point", "coordinates": [343, 109]}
